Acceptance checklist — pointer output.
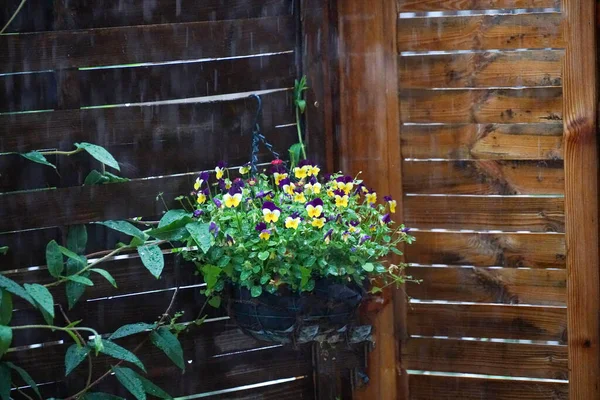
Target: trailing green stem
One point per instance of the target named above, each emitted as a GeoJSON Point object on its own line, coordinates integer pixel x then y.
{"type": "Point", "coordinates": [299, 129]}
{"type": "Point", "coordinates": [13, 16]}
{"type": "Point", "coordinates": [61, 153]}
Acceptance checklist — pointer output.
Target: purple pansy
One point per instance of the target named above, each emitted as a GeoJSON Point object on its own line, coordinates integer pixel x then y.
{"type": "Point", "coordinates": [387, 198]}
{"type": "Point", "coordinates": [316, 202]}
{"type": "Point", "coordinates": [364, 239]}
{"type": "Point", "coordinates": [262, 194]}
{"type": "Point", "coordinates": [328, 234]}
{"type": "Point", "coordinates": [405, 230]}
{"type": "Point", "coordinates": [284, 182]}
{"type": "Point", "coordinates": [198, 213]}
{"type": "Point", "coordinates": [229, 240]}
{"type": "Point", "coordinates": [386, 219]}
{"type": "Point", "coordinates": [344, 179]}
{"type": "Point", "coordinates": [213, 228]}
{"type": "Point", "coordinates": [204, 176]}
{"type": "Point", "coordinates": [305, 162]}
{"type": "Point", "coordinates": [339, 192]}
{"type": "Point", "coordinates": [218, 203]}
{"type": "Point", "coordinates": [269, 205]}
{"type": "Point", "coordinates": [313, 180]}
{"type": "Point", "coordinates": [260, 227]}
{"type": "Point", "coordinates": [354, 223]}
{"type": "Point", "coordinates": [222, 164]}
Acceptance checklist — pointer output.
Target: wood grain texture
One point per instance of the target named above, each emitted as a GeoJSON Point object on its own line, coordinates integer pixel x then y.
{"type": "Point", "coordinates": [27, 92]}
{"type": "Point", "coordinates": [484, 177]}
{"type": "Point", "coordinates": [487, 69]}
{"type": "Point", "coordinates": [197, 79]}
{"type": "Point", "coordinates": [490, 358]}
{"type": "Point", "coordinates": [509, 250]}
{"type": "Point", "coordinates": [535, 214]}
{"type": "Point", "coordinates": [482, 32]}
{"type": "Point", "coordinates": [423, 387]}
{"type": "Point", "coordinates": [581, 197]}
{"type": "Point", "coordinates": [490, 285]}
{"type": "Point", "coordinates": [541, 141]}
{"type": "Point", "coordinates": [488, 321]}
{"type": "Point", "coordinates": [139, 44]}
{"type": "Point", "coordinates": [477, 106]}
{"type": "Point", "coordinates": [451, 5]}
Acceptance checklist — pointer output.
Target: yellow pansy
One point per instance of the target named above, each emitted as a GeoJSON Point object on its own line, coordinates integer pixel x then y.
{"type": "Point", "coordinates": [341, 201]}
{"type": "Point", "coordinates": [312, 170]}
{"type": "Point", "coordinates": [353, 229]}
{"type": "Point", "coordinates": [201, 198]}
{"type": "Point", "coordinates": [372, 198]}
{"type": "Point", "coordinates": [346, 187]}
{"type": "Point", "coordinates": [313, 188]}
{"type": "Point", "coordinates": [365, 190]}
{"type": "Point", "coordinates": [330, 193]}
{"type": "Point", "coordinates": [279, 177]}
{"type": "Point", "coordinates": [271, 215]}
{"type": "Point", "coordinates": [318, 222]}
{"type": "Point", "coordinates": [244, 169]}
{"type": "Point", "coordinates": [289, 189]}
{"type": "Point", "coordinates": [300, 172]}
{"type": "Point", "coordinates": [300, 198]}
{"type": "Point", "coordinates": [232, 201]}
{"type": "Point", "coordinates": [265, 235]}
{"type": "Point", "coordinates": [198, 183]}
{"type": "Point", "coordinates": [227, 184]}
{"type": "Point", "coordinates": [220, 172]}
{"type": "Point", "coordinates": [392, 204]}
{"type": "Point", "coordinates": [292, 223]}
{"type": "Point", "coordinates": [314, 212]}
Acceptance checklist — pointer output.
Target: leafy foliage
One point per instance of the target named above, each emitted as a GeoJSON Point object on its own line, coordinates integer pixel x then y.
{"type": "Point", "coordinates": [74, 356]}
{"type": "Point", "coordinates": [99, 153]}
{"type": "Point", "coordinates": [38, 158]}
{"type": "Point", "coordinates": [169, 344]}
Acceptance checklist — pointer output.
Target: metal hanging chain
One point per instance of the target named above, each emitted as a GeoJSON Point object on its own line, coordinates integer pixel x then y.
{"type": "Point", "coordinates": [258, 137]}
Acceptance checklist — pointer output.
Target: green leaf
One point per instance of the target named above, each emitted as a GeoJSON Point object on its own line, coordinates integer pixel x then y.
{"type": "Point", "coordinates": [175, 231]}
{"type": "Point", "coordinates": [6, 308]}
{"type": "Point", "coordinates": [295, 150]}
{"type": "Point", "coordinates": [69, 253]}
{"type": "Point", "coordinates": [14, 288]}
{"type": "Point", "coordinates": [120, 353]}
{"type": "Point", "coordinates": [130, 381]}
{"type": "Point", "coordinates": [264, 279]}
{"type": "Point", "coordinates": [54, 259]}
{"type": "Point", "coordinates": [263, 255]}
{"type": "Point", "coordinates": [99, 153]}
{"type": "Point", "coordinates": [305, 276]}
{"type": "Point", "coordinates": [75, 356]}
{"type": "Point", "coordinates": [5, 382]}
{"type": "Point", "coordinates": [172, 216]}
{"type": "Point", "coordinates": [112, 178]}
{"type": "Point", "coordinates": [101, 396]}
{"type": "Point", "coordinates": [94, 178]}
{"type": "Point", "coordinates": [80, 279]}
{"type": "Point", "coordinates": [3, 250]}
{"type": "Point", "coordinates": [211, 275]}
{"type": "Point", "coordinates": [42, 297]}
{"type": "Point", "coordinates": [152, 389]}
{"type": "Point", "coordinates": [125, 227]}
{"type": "Point", "coordinates": [215, 301]}
{"type": "Point", "coordinates": [369, 267]}
{"type": "Point", "coordinates": [77, 239]}
{"type": "Point", "coordinates": [169, 344]}
{"type": "Point", "coordinates": [37, 157]}
{"type": "Point", "coordinates": [375, 290]}
{"type": "Point", "coordinates": [152, 258]}
{"type": "Point", "coordinates": [396, 251]}
{"type": "Point", "coordinates": [301, 104]}
{"type": "Point", "coordinates": [26, 377]}
{"type": "Point", "coordinates": [131, 329]}
{"type": "Point", "coordinates": [5, 339]}
{"type": "Point", "coordinates": [97, 344]}
{"type": "Point", "coordinates": [201, 235]}
{"type": "Point", "coordinates": [256, 291]}
{"type": "Point", "coordinates": [74, 290]}
{"type": "Point", "coordinates": [106, 275]}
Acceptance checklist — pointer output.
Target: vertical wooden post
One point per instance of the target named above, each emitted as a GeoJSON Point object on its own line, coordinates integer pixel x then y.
{"type": "Point", "coordinates": [581, 198]}
{"type": "Point", "coordinates": [369, 142]}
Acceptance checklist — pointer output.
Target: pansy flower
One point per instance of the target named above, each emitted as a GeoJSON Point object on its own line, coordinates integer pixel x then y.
{"type": "Point", "coordinates": [214, 228]}
{"type": "Point", "coordinates": [279, 177]}
{"type": "Point", "coordinates": [364, 239]}
{"type": "Point", "coordinates": [372, 198]}
{"type": "Point", "coordinates": [385, 219]}
{"type": "Point", "coordinates": [353, 228]}
{"type": "Point", "coordinates": [198, 183]}
{"type": "Point", "coordinates": [405, 230]}
{"type": "Point", "coordinates": [345, 186]}
{"type": "Point", "coordinates": [202, 196]}
{"type": "Point", "coordinates": [318, 222]}
{"type": "Point", "coordinates": [315, 208]}
{"type": "Point", "coordinates": [245, 169]}
{"type": "Point", "coordinates": [262, 194]}
{"type": "Point", "coordinates": [261, 226]}
{"type": "Point", "coordinates": [198, 213]}
{"type": "Point", "coordinates": [327, 237]}
{"type": "Point", "coordinates": [229, 240]}
{"type": "Point", "coordinates": [341, 201]}
{"type": "Point", "coordinates": [232, 201]}
{"type": "Point", "coordinates": [270, 212]}
{"type": "Point", "coordinates": [345, 236]}
{"type": "Point", "coordinates": [300, 173]}
{"type": "Point", "coordinates": [217, 203]}
{"type": "Point", "coordinates": [292, 223]}
{"type": "Point", "coordinates": [392, 203]}
{"type": "Point", "coordinates": [300, 198]}
{"type": "Point", "coordinates": [220, 169]}
{"type": "Point", "coordinates": [288, 187]}
{"type": "Point", "coordinates": [265, 234]}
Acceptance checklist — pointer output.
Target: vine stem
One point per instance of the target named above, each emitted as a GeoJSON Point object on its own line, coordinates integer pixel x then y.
{"type": "Point", "coordinates": [89, 356]}
{"type": "Point", "coordinates": [56, 328]}
{"type": "Point", "coordinates": [299, 129]}
{"type": "Point", "coordinates": [137, 348]}
{"type": "Point", "coordinates": [22, 392]}
{"type": "Point", "coordinates": [13, 16]}
{"type": "Point", "coordinates": [61, 153]}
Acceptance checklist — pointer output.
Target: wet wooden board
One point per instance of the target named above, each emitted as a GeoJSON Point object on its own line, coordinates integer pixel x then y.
{"type": "Point", "coordinates": [451, 5]}
{"type": "Point", "coordinates": [509, 214]}
{"type": "Point", "coordinates": [423, 387]}
{"type": "Point", "coordinates": [481, 32]}
{"type": "Point", "coordinates": [139, 44]}
{"type": "Point", "coordinates": [484, 177]}
{"type": "Point", "coordinates": [511, 250]}
{"type": "Point", "coordinates": [489, 285]}
{"type": "Point", "coordinates": [507, 359]}
{"type": "Point", "coordinates": [488, 321]}
{"type": "Point", "coordinates": [541, 141]}
{"type": "Point", "coordinates": [27, 92]}
{"type": "Point", "coordinates": [480, 70]}
{"type": "Point", "coordinates": [533, 105]}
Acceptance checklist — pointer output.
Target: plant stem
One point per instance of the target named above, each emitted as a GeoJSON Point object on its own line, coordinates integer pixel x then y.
{"type": "Point", "coordinates": [13, 16]}
{"type": "Point", "coordinates": [89, 356]}
{"type": "Point", "coordinates": [61, 153]}
{"type": "Point", "coordinates": [22, 392]}
{"type": "Point", "coordinates": [56, 328]}
{"type": "Point", "coordinates": [299, 129]}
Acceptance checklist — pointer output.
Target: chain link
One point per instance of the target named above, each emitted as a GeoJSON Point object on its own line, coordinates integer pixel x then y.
{"type": "Point", "coordinates": [257, 138]}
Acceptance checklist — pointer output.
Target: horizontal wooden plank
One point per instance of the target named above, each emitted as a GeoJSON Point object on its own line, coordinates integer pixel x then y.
{"type": "Point", "coordinates": [82, 15]}
{"type": "Point", "coordinates": [488, 321]}
{"type": "Point", "coordinates": [175, 81]}
{"type": "Point", "coordinates": [452, 5]}
{"type": "Point", "coordinates": [535, 214]}
{"type": "Point", "coordinates": [218, 370]}
{"type": "Point", "coordinates": [490, 285]}
{"type": "Point", "coordinates": [506, 359]}
{"type": "Point", "coordinates": [477, 106]}
{"type": "Point", "coordinates": [27, 92]}
{"type": "Point", "coordinates": [17, 173]}
{"type": "Point", "coordinates": [301, 389]}
{"type": "Point", "coordinates": [484, 177]}
{"type": "Point", "coordinates": [481, 32]}
{"type": "Point", "coordinates": [487, 69]}
{"type": "Point", "coordinates": [510, 250]}
{"type": "Point", "coordinates": [35, 15]}
{"type": "Point", "coordinates": [142, 124]}
{"type": "Point", "coordinates": [540, 141]}
{"type": "Point", "coordinates": [427, 387]}
{"type": "Point", "coordinates": [152, 43]}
